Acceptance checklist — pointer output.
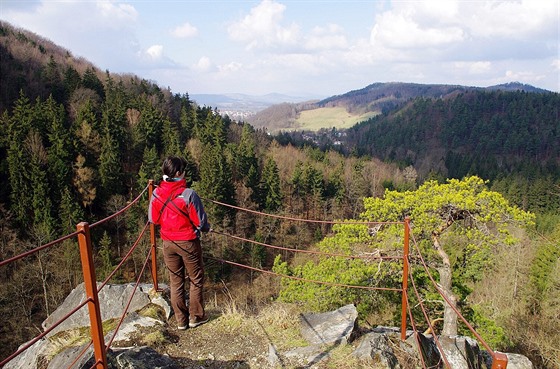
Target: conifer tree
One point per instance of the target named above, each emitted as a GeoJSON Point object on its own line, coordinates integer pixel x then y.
{"type": "Point", "coordinates": [69, 211]}
{"type": "Point", "coordinates": [149, 169]}
{"type": "Point", "coordinates": [91, 81]}
{"type": "Point", "coordinates": [86, 131]}
{"type": "Point", "coordinates": [170, 138]}
{"type": "Point", "coordinates": [187, 122]}
{"type": "Point", "coordinates": [270, 186]}
{"type": "Point", "coordinates": [59, 149]}
{"type": "Point", "coordinates": [20, 124]}
{"type": "Point", "coordinates": [216, 183]}
{"type": "Point", "coordinates": [41, 202]}
{"type": "Point", "coordinates": [109, 166]}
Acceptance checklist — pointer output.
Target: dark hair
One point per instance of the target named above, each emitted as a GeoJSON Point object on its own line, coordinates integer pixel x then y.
{"type": "Point", "coordinates": [173, 164]}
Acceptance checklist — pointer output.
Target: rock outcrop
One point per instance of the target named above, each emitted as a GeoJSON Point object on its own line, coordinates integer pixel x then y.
{"type": "Point", "coordinates": [380, 347]}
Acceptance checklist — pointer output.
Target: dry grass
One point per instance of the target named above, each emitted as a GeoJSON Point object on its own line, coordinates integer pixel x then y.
{"type": "Point", "coordinates": [338, 117]}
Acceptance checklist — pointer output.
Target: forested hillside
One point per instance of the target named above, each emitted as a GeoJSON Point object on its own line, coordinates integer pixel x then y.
{"type": "Point", "coordinates": [77, 143]}
{"type": "Point", "coordinates": [506, 137]}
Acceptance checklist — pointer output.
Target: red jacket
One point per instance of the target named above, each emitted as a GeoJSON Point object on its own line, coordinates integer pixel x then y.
{"type": "Point", "coordinates": [178, 210]}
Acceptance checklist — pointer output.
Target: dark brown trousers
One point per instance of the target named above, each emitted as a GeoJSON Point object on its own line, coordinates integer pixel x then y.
{"type": "Point", "coordinates": [184, 261]}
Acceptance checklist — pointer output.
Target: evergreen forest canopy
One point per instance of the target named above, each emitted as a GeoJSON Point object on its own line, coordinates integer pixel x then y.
{"type": "Point", "coordinates": [77, 143]}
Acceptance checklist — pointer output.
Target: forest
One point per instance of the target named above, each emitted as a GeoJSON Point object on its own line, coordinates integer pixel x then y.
{"type": "Point", "coordinates": [78, 143]}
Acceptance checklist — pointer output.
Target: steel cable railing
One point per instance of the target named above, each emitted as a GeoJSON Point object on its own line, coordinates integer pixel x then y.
{"type": "Point", "coordinates": [302, 279]}
{"type": "Point", "coordinates": [116, 214]}
{"type": "Point", "coordinates": [292, 218]}
{"type": "Point", "coordinates": [82, 353]}
{"type": "Point", "coordinates": [37, 249]}
{"type": "Point", "coordinates": [129, 300]}
{"type": "Point", "coordinates": [418, 344]}
{"type": "Point", "coordinates": [92, 299]}
{"type": "Point", "coordinates": [425, 313]}
{"type": "Point", "coordinates": [132, 248]}
{"type": "Point", "coordinates": [125, 258]}
{"type": "Point", "coordinates": [499, 360]}
{"type": "Point", "coordinates": [93, 303]}
{"type": "Point", "coordinates": [303, 251]}
{"type": "Point", "coordinates": [43, 334]}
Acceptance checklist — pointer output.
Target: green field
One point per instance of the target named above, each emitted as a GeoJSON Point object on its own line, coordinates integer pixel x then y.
{"type": "Point", "coordinates": [338, 117]}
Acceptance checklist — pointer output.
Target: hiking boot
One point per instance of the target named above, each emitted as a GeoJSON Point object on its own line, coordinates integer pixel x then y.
{"type": "Point", "coordinates": [195, 322]}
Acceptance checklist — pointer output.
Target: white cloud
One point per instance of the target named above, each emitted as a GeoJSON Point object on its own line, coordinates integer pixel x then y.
{"type": "Point", "coordinates": [406, 30]}
{"type": "Point", "coordinates": [262, 28]}
{"type": "Point", "coordinates": [185, 30]}
{"type": "Point", "coordinates": [477, 67]}
{"type": "Point", "coordinates": [203, 64]}
{"type": "Point", "coordinates": [556, 65]}
{"type": "Point", "coordinates": [329, 38]}
{"type": "Point", "coordinates": [512, 19]}
{"type": "Point", "coordinates": [116, 11]}
{"type": "Point", "coordinates": [155, 52]}
{"type": "Point", "coordinates": [230, 67]}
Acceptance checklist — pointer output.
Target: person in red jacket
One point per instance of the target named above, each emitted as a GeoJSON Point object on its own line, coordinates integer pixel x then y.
{"type": "Point", "coordinates": [180, 214]}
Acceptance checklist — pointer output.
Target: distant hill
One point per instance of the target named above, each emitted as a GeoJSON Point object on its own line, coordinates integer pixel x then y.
{"type": "Point", "coordinates": [376, 98]}
{"type": "Point", "coordinates": [242, 106]}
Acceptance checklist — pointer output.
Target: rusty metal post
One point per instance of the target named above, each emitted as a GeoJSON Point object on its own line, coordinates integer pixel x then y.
{"type": "Point", "coordinates": [90, 283]}
{"type": "Point", "coordinates": [404, 299]}
{"type": "Point", "coordinates": [153, 239]}
{"type": "Point", "coordinates": [499, 360]}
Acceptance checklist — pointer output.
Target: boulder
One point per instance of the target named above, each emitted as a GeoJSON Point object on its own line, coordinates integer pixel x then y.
{"type": "Point", "coordinates": [375, 348]}
{"type": "Point", "coordinates": [516, 361]}
{"type": "Point", "coordinates": [426, 346]}
{"type": "Point", "coordinates": [461, 352]}
{"type": "Point", "coordinates": [112, 299]}
{"type": "Point", "coordinates": [332, 327]}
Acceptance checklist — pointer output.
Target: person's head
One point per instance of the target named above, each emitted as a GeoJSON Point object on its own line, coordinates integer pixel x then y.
{"type": "Point", "coordinates": [174, 167]}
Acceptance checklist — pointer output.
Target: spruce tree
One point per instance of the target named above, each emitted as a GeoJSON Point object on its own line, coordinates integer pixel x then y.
{"type": "Point", "coordinates": [270, 187]}
{"type": "Point", "coordinates": [20, 124]}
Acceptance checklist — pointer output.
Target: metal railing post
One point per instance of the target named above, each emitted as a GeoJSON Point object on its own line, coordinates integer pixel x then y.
{"type": "Point", "coordinates": [153, 239]}
{"type": "Point", "coordinates": [404, 300]}
{"type": "Point", "coordinates": [499, 360]}
{"type": "Point", "coordinates": [90, 283]}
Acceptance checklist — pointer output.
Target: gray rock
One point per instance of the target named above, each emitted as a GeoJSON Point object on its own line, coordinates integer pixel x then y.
{"type": "Point", "coordinates": [461, 352]}
{"type": "Point", "coordinates": [66, 357]}
{"type": "Point", "coordinates": [131, 324]}
{"type": "Point", "coordinates": [273, 358]}
{"type": "Point", "coordinates": [375, 348]}
{"type": "Point", "coordinates": [331, 327]}
{"type": "Point", "coordinates": [112, 298]}
{"type": "Point", "coordinates": [516, 361]}
{"type": "Point", "coordinates": [30, 357]}
{"type": "Point", "coordinates": [143, 358]}
{"type": "Point", "coordinates": [428, 348]}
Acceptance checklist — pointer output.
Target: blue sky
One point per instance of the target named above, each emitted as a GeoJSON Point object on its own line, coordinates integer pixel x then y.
{"type": "Point", "coordinates": [314, 48]}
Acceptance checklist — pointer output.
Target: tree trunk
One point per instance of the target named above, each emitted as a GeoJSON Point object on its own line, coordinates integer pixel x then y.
{"type": "Point", "coordinates": [445, 274]}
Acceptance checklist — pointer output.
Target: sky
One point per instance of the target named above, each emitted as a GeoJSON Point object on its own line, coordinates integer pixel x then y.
{"type": "Point", "coordinates": [311, 48]}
